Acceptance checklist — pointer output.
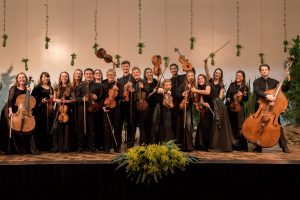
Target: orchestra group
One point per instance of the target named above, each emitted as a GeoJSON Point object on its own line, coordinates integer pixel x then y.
{"type": "Point", "coordinates": [89, 110]}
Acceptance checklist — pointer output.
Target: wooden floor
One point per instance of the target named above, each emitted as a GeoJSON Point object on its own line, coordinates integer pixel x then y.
{"type": "Point", "coordinates": [269, 155]}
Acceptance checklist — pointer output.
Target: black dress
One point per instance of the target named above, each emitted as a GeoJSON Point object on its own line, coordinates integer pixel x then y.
{"type": "Point", "coordinates": [61, 134]}
{"type": "Point", "coordinates": [43, 118]}
{"type": "Point", "coordinates": [19, 142]}
{"type": "Point", "coordinates": [221, 138]}
{"type": "Point", "coordinates": [237, 118]}
{"type": "Point", "coordinates": [99, 134]}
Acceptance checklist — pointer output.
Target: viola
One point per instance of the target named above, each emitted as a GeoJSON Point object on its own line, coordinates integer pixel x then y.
{"type": "Point", "coordinates": [156, 61]}
{"type": "Point", "coordinates": [23, 121]}
{"type": "Point", "coordinates": [93, 105]}
{"type": "Point", "coordinates": [110, 101]}
{"type": "Point", "coordinates": [262, 127]}
{"type": "Point", "coordinates": [168, 100]}
{"type": "Point", "coordinates": [142, 104]}
{"type": "Point", "coordinates": [186, 65]}
{"type": "Point", "coordinates": [63, 109]}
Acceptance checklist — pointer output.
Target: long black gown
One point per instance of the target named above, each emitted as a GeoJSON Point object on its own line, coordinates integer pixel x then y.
{"type": "Point", "coordinates": [43, 118]}
{"type": "Point", "coordinates": [237, 118]}
{"type": "Point", "coordinates": [19, 142]}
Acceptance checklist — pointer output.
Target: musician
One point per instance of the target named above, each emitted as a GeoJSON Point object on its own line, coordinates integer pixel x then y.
{"type": "Point", "coordinates": [165, 123]}
{"type": "Point", "coordinates": [186, 126]}
{"type": "Point", "coordinates": [176, 81]}
{"type": "Point", "coordinates": [135, 88]}
{"type": "Point", "coordinates": [99, 135]}
{"type": "Point", "coordinates": [63, 96]}
{"type": "Point", "coordinates": [260, 85]}
{"type": "Point", "coordinates": [88, 93]}
{"type": "Point", "coordinates": [19, 142]}
{"type": "Point", "coordinates": [43, 112]}
{"type": "Point", "coordinates": [236, 96]}
{"type": "Point", "coordinates": [222, 138]}
{"type": "Point", "coordinates": [112, 136]}
{"type": "Point", "coordinates": [124, 114]}
{"type": "Point", "coordinates": [152, 113]}
{"type": "Point", "coordinates": [77, 79]}
{"type": "Point", "coordinates": [207, 94]}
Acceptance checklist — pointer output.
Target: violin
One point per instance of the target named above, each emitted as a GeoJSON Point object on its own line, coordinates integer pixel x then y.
{"type": "Point", "coordinates": [156, 61]}
{"type": "Point", "coordinates": [186, 65]}
{"type": "Point", "coordinates": [196, 102]}
{"type": "Point", "coordinates": [142, 104]}
{"type": "Point", "coordinates": [185, 100]}
{"type": "Point", "coordinates": [127, 88]}
{"type": "Point", "coordinates": [63, 109]}
{"type": "Point", "coordinates": [23, 120]}
{"type": "Point", "coordinates": [168, 100]}
{"type": "Point", "coordinates": [235, 105]}
{"type": "Point", "coordinates": [93, 105]}
{"type": "Point", "coordinates": [110, 101]}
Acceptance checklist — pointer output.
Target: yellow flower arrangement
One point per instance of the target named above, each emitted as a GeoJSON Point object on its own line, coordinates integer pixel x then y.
{"type": "Point", "coordinates": [145, 164]}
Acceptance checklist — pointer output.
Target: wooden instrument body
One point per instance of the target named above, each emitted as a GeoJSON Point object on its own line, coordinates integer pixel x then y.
{"type": "Point", "coordinates": [141, 104]}
{"type": "Point", "coordinates": [262, 127]}
{"type": "Point", "coordinates": [235, 105]}
{"type": "Point", "coordinates": [63, 117]}
{"type": "Point", "coordinates": [168, 100]}
{"type": "Point", "coordinates": [156, 61]}
{"type": "Point", "coordinates": [110, 101]}
{"type": "Point", "coordinates": [23, 121]}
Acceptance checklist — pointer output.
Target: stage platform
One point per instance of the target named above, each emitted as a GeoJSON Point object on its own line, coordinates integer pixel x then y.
{"type": "Point", "coordinates": [236, 175]}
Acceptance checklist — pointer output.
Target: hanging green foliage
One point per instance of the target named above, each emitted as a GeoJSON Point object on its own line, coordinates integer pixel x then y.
{"type": "Point", "coordinates": [261, 56]}
{"type": "Point", "coordinates": [73, 56]}
{"type": "Point", "coordinates": [285, 42]}
{"type": "Point", "coordinates": [25, 61]}
{"type": "Point", "coordinates": [192, 43]}
{"type": "Point", "coordinates": [238, 45]}
{"type": "Point", "coordinates": [118, 58]}
{"type": "Point", "coordinates": [166, 60]}
{"type": "Point", "coordinates": [212, 57]}
{"type": "Point", "coordinates": [192, 38]}
{"type": "Point", "coordinates": [285, 46]}
{"type": "Point", "coordinates": [4, 36]}
{"type": "Point", "coordinates": [141, 46]}
{"type": "Point", "coordinates": [47, 39]}
{"type": "Point", "coordinates": [238, 49]}
{"type": "Point", "coordinates": [96, 45]}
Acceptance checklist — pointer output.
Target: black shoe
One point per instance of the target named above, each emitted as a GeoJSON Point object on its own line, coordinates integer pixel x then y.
{"type": "Point", "coordinates": [37, 152]}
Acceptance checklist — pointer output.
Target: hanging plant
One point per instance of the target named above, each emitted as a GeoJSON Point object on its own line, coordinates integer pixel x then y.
{"type": "Point", "coordinates": [166, 60]}
{"type": "Point", "coordinates": [212, 57]}
{"type": "Point", "coordinates": [73, 56]}
{"type": "Point", "coordinates": [238, 49]}
{"type": "Point", "coordinates": [4, 36]}
{"type": "Point", "coordinates": [118, 57]}
{"type": "Point", "coordinates": [238, 45]}
{"type": "Point", "coordinates": [47, 39]}
{"type": "Point", "coordinates": [285, 45]}
{"type": "Point", "coordinates": [96, 45]}
{"type": "Point", "coordinates": [261, 56]}
{"type": "Point", "coordinates": [140, 45]}
{"type": "Point", "coordinates": [192, 38]}
{"type": "Point", "coordinates": [25, 61]}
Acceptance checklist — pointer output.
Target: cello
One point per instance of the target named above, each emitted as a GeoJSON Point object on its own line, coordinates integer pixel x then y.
{"type": "Point", "coordinates": [262, 127]}
{"type": "Point", "coordinates": [23, 121]}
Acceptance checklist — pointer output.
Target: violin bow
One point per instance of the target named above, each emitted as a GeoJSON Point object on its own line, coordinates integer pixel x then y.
{"type": "Point", "coordinates": [10, 128]}
{"type": "Point", "coordinates": [213, 53]}
{"type": "Point", "coordinates": [111, 128]}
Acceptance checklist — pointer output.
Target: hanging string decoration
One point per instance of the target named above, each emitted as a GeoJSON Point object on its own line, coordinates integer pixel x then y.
{"type": "Point", "coordinates": [47, 39]}
{"type": "Point", "coordinates": [140, 45]}
{"type": "Point", "coordinates": [73, 55]}
{"type": "Point", "coordinates": [4, 36]}
{"type": "Point", "coordinates": [96, 45]}
{"type": "Point", "coordinates": [117, 56]}
{"type": "Point", "coordinates": [192, 38]}
{"type": "Point", "coordinates": [285, 42]}
{"type": "Point", "coordinates": [26, 60]}
{"type": "Point", "coordinates": [238, 45]}
{"type": "Point", "coordinates": [261, 54]}
{"type": "Point", "coordinates": [212, 55]}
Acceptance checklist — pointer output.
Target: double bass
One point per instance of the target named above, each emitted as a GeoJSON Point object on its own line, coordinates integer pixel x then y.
{"type": "Point", "coordinates": [23, 121]}
{"type": "Point", "coordinates": [263, 128]}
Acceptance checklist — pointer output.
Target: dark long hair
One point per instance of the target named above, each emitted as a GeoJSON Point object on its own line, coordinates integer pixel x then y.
{"type": "Point", "coordinates": [244, 76]}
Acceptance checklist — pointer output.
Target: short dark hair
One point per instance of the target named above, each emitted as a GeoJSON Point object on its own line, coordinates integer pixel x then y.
{"type": "Point", "coordinates": [136, 68]}
{"type": "Point", "coordinates": [173, 64]}
{"type": "Point", "coordinates": [125, 62]}
{"type": "Point", "coordinates": [89, 69]}
{"type": "Point", "coordinates": [264, 65]}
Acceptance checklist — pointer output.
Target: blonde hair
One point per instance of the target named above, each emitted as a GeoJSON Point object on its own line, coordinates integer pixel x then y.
{"type": "Point", "coordinates": [17, 76]}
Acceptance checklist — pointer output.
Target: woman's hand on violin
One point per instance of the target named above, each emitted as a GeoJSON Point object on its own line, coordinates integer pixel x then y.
{"type": "Point", "coordinates": [44, 100]}
{"type": "Point", "coordinates": [94, 97]}
{"type": "Point", "coordinates": [184, 93]}
{"type": "Point", "coordinates": [205, 104]}
{"type": "Point", "coordinates": [194, 90]}
{"type": "Point", "coordinates": [58, 100]}
{"type": "Point", "coordinates": [141, 85]}
{"type": "Point", "coordinates": [10, 113]}
{"type": "Point", "coordinates": [105, 109]}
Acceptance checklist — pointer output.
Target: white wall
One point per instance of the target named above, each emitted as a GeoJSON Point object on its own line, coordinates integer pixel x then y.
{"type": "Point", "coordinates": [57, 58]}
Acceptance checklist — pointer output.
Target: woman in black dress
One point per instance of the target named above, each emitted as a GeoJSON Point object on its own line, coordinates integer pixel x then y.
{"type": "Point", "coordinates": [64, 97]}
{"type": "Point", "coordinates": [236, 96]}
{"type": "Point", "coordinates": [184, 94]}
{"type": "Point", "coordinates": [18, 142]}
{"type": "Point", "coordinates": [43, 112]}
{"type": "Point", "coordinates": [221, 137]}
